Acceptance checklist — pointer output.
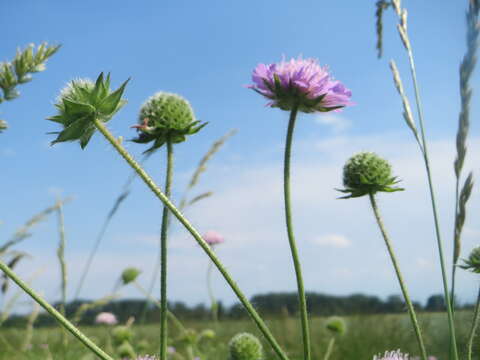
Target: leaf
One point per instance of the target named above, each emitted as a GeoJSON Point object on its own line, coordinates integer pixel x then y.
{"type": "Point", "coordinates": [73, 131]}
{"type": "Point", "coordinates": [73, 108]}
{"type": "Point", "coordinates": [109, 104]}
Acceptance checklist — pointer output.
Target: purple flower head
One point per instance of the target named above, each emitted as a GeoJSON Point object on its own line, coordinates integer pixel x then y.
{"type": "Point", "coordinates": [146, 357]}
{"type": "Point", "coordinates": [300, 82]}
{"type": "Point", "coordinates": [213, 238]}
{"type": "Point", "coordinates": [106, 318]}
{"type": "Point", "coordinates": [392, 355]}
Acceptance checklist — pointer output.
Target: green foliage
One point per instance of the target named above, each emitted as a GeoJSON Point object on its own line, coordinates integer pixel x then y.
{"type": "Point", "coordinates": [82, 102]}
{"type": "Point", "coordinates": [166, 117]}
{"type": "Point", "coordinates": [121, 334]}
{"type": "Point", "coordinates": [125, 350]}
{"type": "Point", "coordinates": [245, 346]}
{"type": "Point", "coordinates": [336, 325]}
{"type": "Point", "coordinates": [367, 173]}
{"type": "Point", "coordinates": [19, 69]}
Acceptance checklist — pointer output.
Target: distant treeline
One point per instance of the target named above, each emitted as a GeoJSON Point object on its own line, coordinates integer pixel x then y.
{"type": "Point", "coordinates": [269, 305]}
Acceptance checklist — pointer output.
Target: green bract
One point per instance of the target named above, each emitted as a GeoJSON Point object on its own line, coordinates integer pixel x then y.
{"type": "Point", "coordinates": [245, 346]}
{"type": "Point", "coordinates": [166, 117]}
{"type": "Point", "coordinates": [80, 103]}
{"type": "Point", "coordinates": [129, 275]}
{"type": "Point", "coordinates": [367, 173]}
{"type": "Point", "coordinates": [473, 262]}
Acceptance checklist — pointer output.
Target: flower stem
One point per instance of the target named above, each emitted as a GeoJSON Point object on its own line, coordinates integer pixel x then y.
{"type": "Point", "coordinates": [59, 317]}
{"type": "Point", "coordinates": [451, 325]}
{"type": "Point", "coordinates": [329, 349]}
{"type": "Point", "coordinates": [411, 310]}
{"type": "Point", "coordinates": [291, 237]}
{"type": "Point", "coordinates": [163, 254]}
{"type": "Point", "coordinates": [476, 318]}
{"type": "Point", "coordinates": [196, 235]}
{"type": "Point", "coordinates": [214, 305]}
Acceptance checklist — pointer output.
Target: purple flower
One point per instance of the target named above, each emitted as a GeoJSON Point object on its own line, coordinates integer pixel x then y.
{"type": "Point", "coordinates": [300, 82]}
{"type": "Point", "coordinates": [392, 355]}
{"type": "Point", "coordinates": [146, 357]}
{"type": "Point", "coordinates": [106, 318]}
{"type": "Point", "coordinates": [213, 238]}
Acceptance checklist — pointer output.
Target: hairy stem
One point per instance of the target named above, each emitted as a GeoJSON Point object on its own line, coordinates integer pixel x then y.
{"type": "Point", "coordinates": [196, 235]}
{"type": "Point", "coordinates": [411, 310]}
{"type": "Point", "coordinates": [329, 349]}
{"type": "Point", "coordinates": [476, 317]}
{"type": "Point", "coordinates": [291, 236]}
{"type": "Point", "coordinates": [163, 254]}
{"type": "Point", "coordinates": [59, 317]}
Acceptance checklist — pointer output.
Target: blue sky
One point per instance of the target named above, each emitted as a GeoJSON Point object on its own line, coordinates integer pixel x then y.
{"type": "Point", "coordinates": [206, 51]}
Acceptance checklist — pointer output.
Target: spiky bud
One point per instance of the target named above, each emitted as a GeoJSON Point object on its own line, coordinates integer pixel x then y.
{"type": "Point", "coordinates": [245, 346]}
{"type": "Point", "coordinates": [473, 262]}
{"type": "Point", "coordinates": [166, 117]}
{"type": "Point", "coordinates": [336, 325]}
{"type": "Point", "coordinates": [367, 173]}
{"type": "Point", "coordinates": [82, 102]}
{"type": "Point", "coordinates": [122, 334]}
{"type": "Point", "coordinates": [130, 274]}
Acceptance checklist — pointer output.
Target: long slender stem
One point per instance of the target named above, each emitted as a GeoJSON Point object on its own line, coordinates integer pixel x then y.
{"type": "Point", "coordinates": [214, 305]}
{"type": "Point", "coordinates": [451, 325]}
{"type": "Point", "coordinates": [329, 349]}
{"type": "Point", "coordinates": [291, 236]}
{"type": "Point", "coordinates": [63, 265]}
{"type": "Point", "coordinates": [411, 310]}
{"type": "Point", "coordinates": [454, 262]}
{"type": "Point", "coordinates": [59, 317]}
{"type": "Point", "coordinates": [196, 235]}
{"type": "Point", "coordinates": [163, 254]}
{"type": "Point", "coordinates": [476, 318]}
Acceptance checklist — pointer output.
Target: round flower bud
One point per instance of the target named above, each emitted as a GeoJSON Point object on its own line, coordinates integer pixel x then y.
{"type": "Point", "coordinates": [130, 274]}
{"type": "Point", "coordinates": [122, 334]}
{"type": "Point", "coordinates": [245, 346]}
{"type": "Point", "coordinates": [166, 117]}
{"type": "Point", "coordinates": [336, 325]}
{"type": "Point", "coordinates": [473, 262]}
{"type": "Point", "coordinates": [82, 102]}
{"type": "Point", "coordinates": [125, 350]}
{"type": "Point", "coordinates": [367, 173]}
{"type": "Point", "coordinates": [207, 334]}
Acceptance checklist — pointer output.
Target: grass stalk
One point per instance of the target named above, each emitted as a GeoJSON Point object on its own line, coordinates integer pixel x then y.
{"type": "Point", "coordinates": [471, 337]}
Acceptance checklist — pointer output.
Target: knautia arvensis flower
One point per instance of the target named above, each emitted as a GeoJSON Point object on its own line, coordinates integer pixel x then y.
{"type": "Point", "coordinates": [245, 346]}
{"type": "Point", "coordinates": [213, 238]}
{"type": "Point", "coordinates": [300, 82]}
{"type": "Point", "coordinates": [82, 102]}
{"type": "Point", "coordinates": [106, 318]}
{"type": "Point", "coordinates": [367, 173]}
{"type": "Point", "coordinates": [166, 117]}
{"type": "Point", "coordinates": [473, 262]}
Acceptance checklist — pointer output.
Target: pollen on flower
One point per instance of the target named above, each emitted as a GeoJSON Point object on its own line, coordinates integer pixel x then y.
{"type": "Point", "coordinates": [302, 83]}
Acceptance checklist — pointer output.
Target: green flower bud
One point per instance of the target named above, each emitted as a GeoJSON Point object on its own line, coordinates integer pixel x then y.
{"type": "Point", "coordinates": [245, 346]}
{"type": "Point", "coordinates": [125, 350]}
{"type": "Point", "coordinates": [130, 274]}
{"type": "Point", "coordinates": [3, 125]}
{"type": "Point", "coordinates": [80, 103]}
{"type": "Point", "coordinates": [336, 325]}
{"type": "Point", "coordinates": [473, 262]}
{"type": "Point", "coordinates": [122, 334]}
{"type": "Point", "coordinates": [166, 117]}
{"type": "Point", "coordinates": [367, 173]}
{"type": "Point", "coordinates": [142, 346]}
{"type": "Point", "coordinates": [207, 334]}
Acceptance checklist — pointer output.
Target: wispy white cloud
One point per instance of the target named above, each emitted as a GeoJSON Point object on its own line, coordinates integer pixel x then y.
{"type": "Point", "coordinates": [337, 123]}
{"type": "Point", "coordinates": [332, 240]}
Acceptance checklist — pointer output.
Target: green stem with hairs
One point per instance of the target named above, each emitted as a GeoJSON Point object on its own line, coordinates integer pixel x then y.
{"type": "Point", "coordinates": [196, 235]}
{"type": "Point", "coordinates": [291, 237]}
{"type": "Point", "coordinates": [451, 324]}
{"type": "Point", "coordinates": [476, 318]}
{"type": "Point", "coordinates": [411, 310]}
{"type": "Point", "coordinates": [163, 254]}
{"type": "Point", "coordinates": [59, 317]}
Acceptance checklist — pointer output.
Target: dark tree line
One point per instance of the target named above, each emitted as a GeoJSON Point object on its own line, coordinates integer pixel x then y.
{"type": "Point", "coordinates": [268, 305]}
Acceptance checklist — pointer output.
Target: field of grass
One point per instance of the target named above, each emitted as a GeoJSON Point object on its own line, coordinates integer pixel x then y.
{"type": "Point", "coordinates": [365, 336]}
